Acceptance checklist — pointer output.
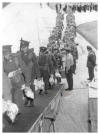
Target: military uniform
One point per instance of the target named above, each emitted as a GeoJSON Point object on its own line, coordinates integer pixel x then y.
{"type": "Point", "coordinates": [54, 63]}
{"type": "Point", "coordinates": [75, 56]}
{"type": "Point", "coordinates": [58, 60]}
{"type": "Point", "coordinates": [6, 87]}
{"type": "Point", "coordinates": [27, 61]}
{"type": "Point", "coordinates": [69, 69]}
{"type": "Point", "coordinates": [91, 62]}
{"type": "Point", "coordinates": [45, 66]}
{"type": "Point", "coordinates": [10, 65]}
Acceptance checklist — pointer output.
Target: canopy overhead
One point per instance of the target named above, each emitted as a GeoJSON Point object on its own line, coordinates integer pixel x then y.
{"type": "Point", "coordinates": [89, 32]}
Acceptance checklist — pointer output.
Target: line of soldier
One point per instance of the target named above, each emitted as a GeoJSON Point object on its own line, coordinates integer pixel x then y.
{"type": "Point", "coordinates": [56, 34]}
{"type": "Point", "coordinates": [30, 66]}
{"type": "Point", "coordinates": [79, 7]}
{"type": "Point", "coordinates": [71, 58]}
{"type": "Point", "coordinates": [83, 7]}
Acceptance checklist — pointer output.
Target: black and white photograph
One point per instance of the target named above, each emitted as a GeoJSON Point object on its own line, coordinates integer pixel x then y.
{"type": "Point", "coordinates": [49, 67]}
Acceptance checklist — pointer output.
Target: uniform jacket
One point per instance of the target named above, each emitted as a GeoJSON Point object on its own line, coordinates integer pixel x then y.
{"type": "Point", "coordinates": [29, 66]}
{"type": "Point", "coordinates": [7, 86]}
{"type": "Point", "coordinates": [10, 66]}
{"type": "Point", "coordinates": [58, 60]}
{"type": "Point", "coordinates": [53, 62]}
{"type": "Point", "coordinates": [45, 63]}
{"type": "Point", "coordinates": [69, 61]}
{"type": "Point", "coordinates": [74, 52]}
{"type": "Point", "coordinates": [91, 60]}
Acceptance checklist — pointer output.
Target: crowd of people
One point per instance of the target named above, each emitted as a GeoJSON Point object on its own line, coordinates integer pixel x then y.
{"type": "Point", "coordinates": [79, 7]}
{"type": "Point", "coordinates": [30, 73]}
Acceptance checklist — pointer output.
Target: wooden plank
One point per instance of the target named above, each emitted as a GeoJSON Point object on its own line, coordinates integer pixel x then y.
{"type": "Point", "coordinates": [93, 108]}
{"type": "Point", "coordinates": [94, 126]}
{"type": "Point", "coordinates": [42, 124]}
{"type": "Point", "coordinates": [29, 115]}
{"type": "Point", "coordinates": [93, 114]}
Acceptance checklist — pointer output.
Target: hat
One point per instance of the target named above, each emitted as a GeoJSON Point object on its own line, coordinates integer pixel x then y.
{"type": "Point", "coordinates": [77, 44]}
{"type": "Point", "coordinates": [6, 49]}
{"type": "Point", "coordinates": [55, 48]}
{"type": "Point", "coordinates": [68, 49]}
{"type": "Point", "coordinates": [43, 49]}
{"type": "Point", "coordinates": [24, 43]}
{"type": "Point", "coordinates": [89, 48]}
{"type": "Point", "coordinates": [62, 49]}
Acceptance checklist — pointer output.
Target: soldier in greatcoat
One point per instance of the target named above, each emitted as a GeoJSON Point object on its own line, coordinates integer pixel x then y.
{"type": "Point", "coordinates": [58, 59]}
{"type": "Point", "coordinates": [27, 61]}
{"type": "Point", "coordinates": [53, 61]}
{"type": "Point", "coordinates": [45, 66]}
{"type": "Point", "coordinates": [10, 66]}
{"type": "Point", "coordinates": [74, 52]}
{"type": "Point", "coordinates": [91, 62]}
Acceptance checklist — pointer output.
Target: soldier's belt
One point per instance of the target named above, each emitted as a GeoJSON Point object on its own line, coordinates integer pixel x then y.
{"type": "Point", "coordinates": [45, 67]}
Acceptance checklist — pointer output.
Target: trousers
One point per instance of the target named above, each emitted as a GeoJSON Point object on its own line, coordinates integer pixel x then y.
{"type": "Point", "coordinates": [74, 66]}
{"type": "Point", "coordinates": [69, 77]}
{"type": "Point", "coordinates": [45, 74]}
{"type": "Point", "coordinates": [91, 73]}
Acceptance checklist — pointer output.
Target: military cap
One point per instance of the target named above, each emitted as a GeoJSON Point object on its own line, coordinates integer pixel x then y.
{"type": "Point", "coordinates": [68, 49]}
{"type": "Point", "coordinates": [89, 48]}
{"type": "Point", "coordinates": [24, 43]}
{"type": "Point", "coordinates": [77, 44]}
{"type": "Point", "coordinates": [6, 49]}
{"type": "Point", "coordinates": [43, 49]}
{"type": "Point", "coordinates": [55, 48]}
{"type": "Point", "coordinates": [62, 49]}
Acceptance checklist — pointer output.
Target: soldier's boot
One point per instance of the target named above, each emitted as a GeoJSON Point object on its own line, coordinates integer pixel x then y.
{"type": "Point", "coordinates": [30, 103]}
{"type": "Point", "coordinates": [13, 99]}
{"type": "Point", "coordinates": [40, 92]}
{"type": "Point", "coordinates": [49, 86]}
{"type": "Point", "coordinates": [52, 86]}
{"type": "Point", "coordinates": [46, 92]}
{"type": "Point", "coordinates": [25, 102]}
{"type": "Point", "coordinates": [13, 94]}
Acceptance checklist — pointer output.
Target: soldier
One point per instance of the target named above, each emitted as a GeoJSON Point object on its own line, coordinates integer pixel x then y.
{"type": "Point", "coordinates": [69, 68]}
{"type": "Point", "coordinates": [10, 66]}
{"type": "Point", "coordinates": [45, 66]}
{"type": "Point", "coordinates": [27, 61]}
{"type": "Point", "coordinates": [6, 87]}
{"type": "Point", "coordinates": [91, 63]}
{"type": "Point", "coordinates": [96, 7]}
{"type": "Point", "coordinates": [75, 56]}
{"type": "Point", "coordinates": [58, 59]}
{"type": "Point", "coordinates": [53, 61]}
